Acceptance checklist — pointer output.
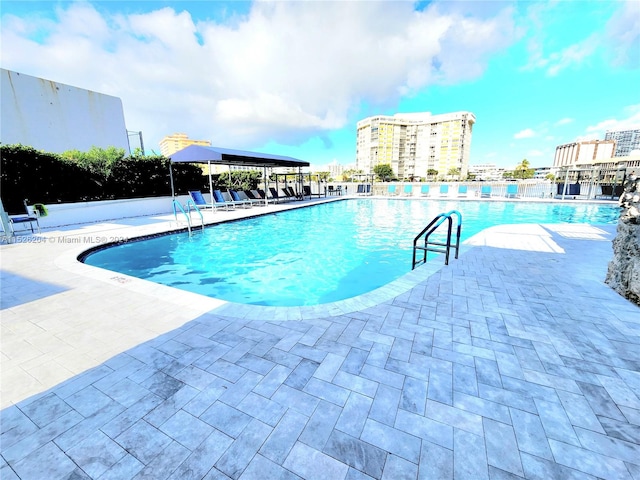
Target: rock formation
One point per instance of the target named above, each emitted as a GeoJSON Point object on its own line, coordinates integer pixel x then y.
{"type": "Point", "coordinates": [623, 274]}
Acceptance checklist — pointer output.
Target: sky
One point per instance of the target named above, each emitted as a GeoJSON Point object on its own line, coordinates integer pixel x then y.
{"type": "Point", "coordinates": [295, 77]}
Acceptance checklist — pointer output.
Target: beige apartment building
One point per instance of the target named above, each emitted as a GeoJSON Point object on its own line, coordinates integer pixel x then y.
{"type": "Point", "coordinates": [583, 152]}
{"type": "Point", "coordinates": [414, 143]}
{"type": "Point", "coordinates": [172, 143]}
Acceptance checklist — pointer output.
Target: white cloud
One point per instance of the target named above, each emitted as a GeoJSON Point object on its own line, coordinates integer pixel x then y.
{"type": "Point", "coordinates": [623, 35]}
{"type": "Point", "coordinates": [526, 133]}
{"type": "Point", "coordinates": [564, 121]}
{"type": "Point", "coordinates": [630, 122]}
{"type": "Point", "coordinates": [286, 71]}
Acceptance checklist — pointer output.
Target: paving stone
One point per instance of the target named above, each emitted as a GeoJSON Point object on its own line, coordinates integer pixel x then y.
{"type": "Point", "coordinates": [33, 441]}
{"type": "Point", "coordinates": [588, 461]}
{"type": "Point", "coordinates": [414, 395]}
{"type": "Point", "coordinates": [398, 468]}
{"type": "Point", "coordinates": [45, 409]}
{"type": "Point", "coordinates": [530, 434]}
{"type": "Point", "coordinates": [327, 391]}
{"type": "Point", "coordinates": [239, 454]}
{"type": "Point", "coordinates": [455, 417]}
{"type": "Point", "coordinates": [14, 426]}
{"type": "Point", "coordinates": [143, 441]}
{"type": "Point", "coordinates": [392, 440]}
{"type": "Point", "coordinates": [420, 426]}
{"type": "Point", "coordinates": [480, 406]}
{"type": "Point", "coordinates": [436, 461]}
{"type": "Point", "coordinates": [186, 429]}
{"type": "Point", "coordinates": [296, 400]}
{"type": "Point", "coordinates": [261, 468]}
{"type": "Point", "coordinates": [385, 405]}
{"type": "Point", "coordinates": [320, 425]}
{"type": "Point", "coordinates": [440, 387]}
{"type": "Point", "coordinates": [311, 464]}
{"type": "Point", "coordinates": [502, 448]}
{"type": "Point", "coordinates": [96, 454]}
{"type": "Point", "coordinates": [469, 458]}
{"type": "Point", "coordinates": [356, 453]}
{"type": "Point", "coordinates": [202, 459]}
{"type": "Point", "coordinates": [225, 418]}
{"type": "Point", "coordinates": [354, 414]}
{"type": "Point", "coordinates": [164, 463]}
{"type": "Point", "coordinates": [284, 436]}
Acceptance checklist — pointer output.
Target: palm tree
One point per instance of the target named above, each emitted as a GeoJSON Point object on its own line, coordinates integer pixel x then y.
{"type": "Point", "coordinates": [523, 168]}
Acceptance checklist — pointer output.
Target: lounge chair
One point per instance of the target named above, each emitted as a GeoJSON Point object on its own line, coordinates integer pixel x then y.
{"type": "Point", "coordinates": [462, 190]}
{"type": "Point", "coordinates": [408, 190]}
{"type": "Point", "coordinates": [199, 200]}
{"type": "Point", "coordinates": [424, 190]}
{"type": "Point", "coordinates": [364, 189]}
{"type": "Point", "coordinates": [24, 219]}
{"type": "Point", "coordinates": [290, 192]}
{"type": "Point", "coordinates": [485, 191]}
{"type": "Point", "coordinates": [275, 196]}
{"type": "Point", "coordinates": [220, 200]}
{"type": "Point", "coordinates": [512, 191]}
{"type": "Point", "coordinates": [391, 190]}
{"type": "Point", "coordinates": [231, 197]}
{"type": "Point", "coordinates": [444, 190]}
{"type": "Point", "coordinates": [242, 196]}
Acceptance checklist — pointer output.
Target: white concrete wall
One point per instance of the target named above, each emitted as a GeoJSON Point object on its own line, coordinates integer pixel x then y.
{"type": "Point", "coordinates": [55, 117]}
{"type": "Point", "coordinates": [60, 215]}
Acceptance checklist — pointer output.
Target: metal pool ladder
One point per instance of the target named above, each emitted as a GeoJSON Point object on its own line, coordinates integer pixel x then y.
{"type": "Point", "coordinates": [187, 213]}
{"type": "Point", "coordinates": [434, 246]}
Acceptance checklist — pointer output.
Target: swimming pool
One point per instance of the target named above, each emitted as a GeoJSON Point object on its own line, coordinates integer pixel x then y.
{"type": "Point", "coordinates": [317, 254]}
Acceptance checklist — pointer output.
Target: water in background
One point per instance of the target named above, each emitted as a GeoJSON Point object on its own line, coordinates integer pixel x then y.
{"type": "Point", "coordinates": [316, 254]}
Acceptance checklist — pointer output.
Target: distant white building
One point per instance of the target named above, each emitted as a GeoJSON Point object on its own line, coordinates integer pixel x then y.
{"type": "Point", "coordinates": [486, 172]}
{"type": "Point", "coordinates": [55, 117]}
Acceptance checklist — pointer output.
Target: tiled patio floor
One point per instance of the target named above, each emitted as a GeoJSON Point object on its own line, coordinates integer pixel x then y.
{"type": "Point", "coordinates": [514, 361]}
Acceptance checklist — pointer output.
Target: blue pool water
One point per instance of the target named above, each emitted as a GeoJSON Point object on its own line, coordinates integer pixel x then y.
{"type": "Point", "coordinates": [317, 254]}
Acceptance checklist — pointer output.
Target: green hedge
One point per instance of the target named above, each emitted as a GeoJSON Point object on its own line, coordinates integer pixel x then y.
{"type": "Point", "coordinates": [50, 178]}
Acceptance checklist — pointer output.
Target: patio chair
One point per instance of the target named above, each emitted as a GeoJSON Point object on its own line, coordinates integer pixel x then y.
{"type": "Point", "coordinates": [199, 200]}
{"type": "Point", "coordinates": [391, 190]}
{"type": "Point", "coordinates": [220, 200]}
{"type": "Point", "coordinates": [485, 191]}
{"type": "Point", "coordinates": [512, 191]}
{"type": "Point", "coordinates": [29, 218]}
{"type": "Point", "coordinates": [231, 197]}
{"type": "Point", "coordinates": [444, 190]}
{"type": "Point", "coordinates": [408, 190]}
{"type": "Point", "coordinates": [424, 190]}
{"type": "Point", "coordinates": [242, 196]}
{"type": "Point", "coordinates": [462, 191]}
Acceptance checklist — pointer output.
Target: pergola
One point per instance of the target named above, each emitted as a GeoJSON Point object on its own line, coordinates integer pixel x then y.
{"type": "Point", "coordinates": [225, 156]}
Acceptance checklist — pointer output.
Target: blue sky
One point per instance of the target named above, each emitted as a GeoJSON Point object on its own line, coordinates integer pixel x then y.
{"type": "Point", "coordinates": [294, 77]}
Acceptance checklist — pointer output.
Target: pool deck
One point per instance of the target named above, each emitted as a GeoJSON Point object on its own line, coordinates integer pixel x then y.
{"type": "Point", "coordinates": [514, 361]}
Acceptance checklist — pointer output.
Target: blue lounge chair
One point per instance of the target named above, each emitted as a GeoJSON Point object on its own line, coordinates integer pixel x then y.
{"type": "Point", "coordinates": [424, 190]}
{"type": "Point", "coordinates": [408, 190]}
{"type": "Point", "coordinates": [512, 191]}
{"type": "Point", "coordinates": [462, 190]}
{"type": "Point", "coordinates": [220, 201]}
{"type": "Point", "coordinates": [232, 197]}
{"type": "Point", "coordinates": [391, 190]}
{"type": "Point", "coordinates": [444, 190]}
{"type": "Point", "coordinates": [485, 191]}
{"type": "Point", "coordinates": [199, 200]}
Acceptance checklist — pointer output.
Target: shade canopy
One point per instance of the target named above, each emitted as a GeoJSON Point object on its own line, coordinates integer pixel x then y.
{"type": "Point", "coordinates": [225, 156]}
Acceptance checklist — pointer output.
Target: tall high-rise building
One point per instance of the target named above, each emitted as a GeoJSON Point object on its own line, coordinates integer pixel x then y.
{"type": "Point", "coordinates": [415, 143]}
{"type": "Point", "coordinates": [172, 143]}
{"type": "Point", "coordinates": [626, 141]}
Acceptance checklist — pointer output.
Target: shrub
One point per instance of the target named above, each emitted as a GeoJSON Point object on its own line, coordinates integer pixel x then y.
{"type": "Point", "coordinates": [41, 177]}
